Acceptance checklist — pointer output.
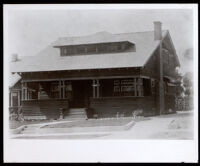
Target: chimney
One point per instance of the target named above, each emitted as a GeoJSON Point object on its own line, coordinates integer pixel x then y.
{"type": "Point", "coordinates": [14, 58]}
{"type": "Point", "coordinates": [157, 30]}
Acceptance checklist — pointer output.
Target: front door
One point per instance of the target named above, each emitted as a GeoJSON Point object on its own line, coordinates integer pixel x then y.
{"type": "Point", "coordinates": [78, 94]}
{"type": "Point", "coordinates": [81, 91]}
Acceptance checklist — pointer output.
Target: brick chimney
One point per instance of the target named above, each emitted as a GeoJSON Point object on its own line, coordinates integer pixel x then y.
{"type": "Point", "coordinates": [158, 36]}
{"type": "Point", "coordinates": [157, 30]}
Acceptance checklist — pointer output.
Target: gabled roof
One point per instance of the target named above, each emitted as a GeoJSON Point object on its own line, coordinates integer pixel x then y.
{"type": "Point", "coordinates": [49, 59]}
{"type": "Point", "coordinates": [100, 37]}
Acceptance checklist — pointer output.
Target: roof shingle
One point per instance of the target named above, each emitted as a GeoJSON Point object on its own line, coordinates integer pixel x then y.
{"type": "Point", "coordinates": [49, 59]}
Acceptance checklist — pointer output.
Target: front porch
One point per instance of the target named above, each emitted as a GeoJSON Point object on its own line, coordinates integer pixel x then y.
{"type": "Point", "coordinates": [107, 97]}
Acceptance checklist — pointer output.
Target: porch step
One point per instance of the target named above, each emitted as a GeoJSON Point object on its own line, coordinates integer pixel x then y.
{"type": "Point", "coordinates": [76, 113]}
{"type": "Point", "coordinates": [30, 114]}
{"type": "Point", "coordinates": [33, 117]}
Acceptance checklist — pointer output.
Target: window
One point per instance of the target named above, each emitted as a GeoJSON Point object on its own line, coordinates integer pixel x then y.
{"type": "Point", "coordinates": [80, 50]}
{"type": "Point", "coordinates": [116, 82]}
{"type": "Point", "coordinates": [170, 88]}
{"type": "Point", "coordinates": [124, 87]}
{"type": "Point", "coordinates": [131, 87]}
{"type": "Point", "coordinates": [116, 88]}
{"type": "Point", "coordinates": [61, 51]}
{"type": "Point", "coordinates": [65, 51]}
{"type": "Point", "coordinates": [127, 88]}
{"type": "Point", "coordinates": [54, 90]}
{"type": "Point", "coordinates": [129, 82]}
{"type": "Point", "coordinates": [112, 48]}
{"type": "Point", "coordinates": [91, 49]}
{"type": "Point", "coordinates": [119, 47]}
{"type": "Point", "coordinates": [123, 46]}
{"type": "Point", "coordinates": [54, 87]}
{"type": "Point", "coordinates": [96, 48]}
{"type": "Point", "coordinates": [101, 48]}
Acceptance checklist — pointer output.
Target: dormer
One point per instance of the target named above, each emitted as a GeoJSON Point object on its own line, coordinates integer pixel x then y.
{"type": "Point", "coordinates": [96, 48]}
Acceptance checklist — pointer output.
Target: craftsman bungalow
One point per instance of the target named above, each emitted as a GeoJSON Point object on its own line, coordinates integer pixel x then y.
{"type": "Point", "coordinates": [105, 74]}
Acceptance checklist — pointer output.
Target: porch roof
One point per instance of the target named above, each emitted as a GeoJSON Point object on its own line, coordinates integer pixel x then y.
{"type": "Point", "coordinates": [13, 79]}
{"type": "Point", "coordinates": [49, 59]}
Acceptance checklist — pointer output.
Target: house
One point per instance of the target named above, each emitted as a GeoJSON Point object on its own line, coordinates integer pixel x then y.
{"type": "Point", "coordinates": [14, 90]}
{"type": "Point", "coordinates": [14, 95]}
{"type": "Point", "coordinates": [105, 73]}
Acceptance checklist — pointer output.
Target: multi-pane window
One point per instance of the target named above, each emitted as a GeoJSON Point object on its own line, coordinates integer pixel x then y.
{"type": "Point", "coordinates": [95, 48]}
{"type": "Point", "coordinates": [170, 88]}
{"type": "Point", "coordinates": [128, 87]}
{"type": "Point", "coordinates": [81, 49]}
{"type": "Point", "coordinates": [102, 48]}
{"type": "Point", "coordinates": [55, 90]}
{"type": "Point", "coordinates": [116, 88]}
{"type": "Point", "coordinates": [91, 49]}
{"type": "Point", "coordinates": [64, 50]}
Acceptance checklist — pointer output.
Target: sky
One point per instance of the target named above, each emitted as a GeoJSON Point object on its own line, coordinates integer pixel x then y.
{"type": "Point", "coordinates": [30, 31]}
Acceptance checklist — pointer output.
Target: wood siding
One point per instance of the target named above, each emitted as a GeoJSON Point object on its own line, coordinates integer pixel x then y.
{"type": "Point", "coordinates": [109, 106]}
{"type": "Point", "coordinates": [151, 68]}
{"type": "Point", "coordinates": [48, 108]}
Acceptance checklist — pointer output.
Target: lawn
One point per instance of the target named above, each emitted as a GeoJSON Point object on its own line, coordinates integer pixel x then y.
{"type": "Point", "coordinates": [92, 123]}
{"type": "Point", "coordinates": [15, 124]}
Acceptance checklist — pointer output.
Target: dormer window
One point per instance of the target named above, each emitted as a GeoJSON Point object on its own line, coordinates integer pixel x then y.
{"type": "Point", "coordinates": [98, 48]}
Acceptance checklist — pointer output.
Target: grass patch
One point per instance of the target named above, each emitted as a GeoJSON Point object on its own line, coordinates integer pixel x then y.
{"type": "Point", "coordinates": [15, 124]}
{"type": "Point", "coordinates": [91, 123]}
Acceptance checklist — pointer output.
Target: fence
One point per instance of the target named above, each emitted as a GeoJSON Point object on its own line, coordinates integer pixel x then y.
{"type": "Point", "coordinates": [184, 103]}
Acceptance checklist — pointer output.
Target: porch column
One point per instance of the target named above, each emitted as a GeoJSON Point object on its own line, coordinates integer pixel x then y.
{"type": "Point", "coordinates": [18, 95]}
{"type": "Point", "coordinates": [30, 97]}
{"type": "Point", "coordinates": [97, 88]}
{"type": "Point", "coordinates": [22, 91]}
{"type": "Point", "coordinates": [60, 89]}
{"type": "Point", "coordinates": [93, 84]}
{"type": "Point", "coordinates": [11, 99]}
{"type": "Point", "coordinates": [135, 86]}
{"type": "Point", "coordinates": [63, 88]}
{"type": "Point", "coordinates": [28, 94]}
{"type": "Point", "coordinates": [39, 90]}
{"type": "Point", "coordinates": [26, 91]}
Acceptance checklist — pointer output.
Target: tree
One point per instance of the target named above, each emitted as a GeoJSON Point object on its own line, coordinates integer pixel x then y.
{"type": "Point", "coordinates": [188, 83]}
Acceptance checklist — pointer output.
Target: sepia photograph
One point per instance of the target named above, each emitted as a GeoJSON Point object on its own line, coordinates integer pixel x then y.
{"type": "Point", "coordinates": [82, 73]}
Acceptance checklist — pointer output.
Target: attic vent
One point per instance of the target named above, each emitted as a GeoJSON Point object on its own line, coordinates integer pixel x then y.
{"type": "Point", "coordinates": [14, 58]}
